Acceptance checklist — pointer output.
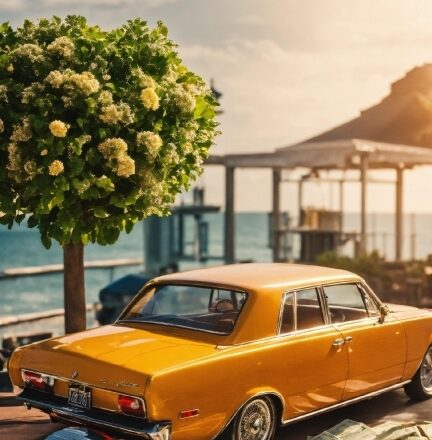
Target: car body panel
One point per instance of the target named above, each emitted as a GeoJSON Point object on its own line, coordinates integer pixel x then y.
{"type": "Point", "coordinates": [376, 354]}
{"type": "Point", "coordinates": [178, 369]}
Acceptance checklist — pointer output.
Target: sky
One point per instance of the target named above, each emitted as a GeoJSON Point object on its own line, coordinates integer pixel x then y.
{"type": "Point", "coordinates": [287, 70]}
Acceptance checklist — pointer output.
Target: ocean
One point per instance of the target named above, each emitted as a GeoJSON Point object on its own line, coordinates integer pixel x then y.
{"type": "Point", "coordinates": [21, 247]}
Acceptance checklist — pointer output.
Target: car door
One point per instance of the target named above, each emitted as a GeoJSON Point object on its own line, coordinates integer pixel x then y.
{"type": "Point", "coordinates": [311, 354]}
{"type": "Point", "coordinates": [376, 347]}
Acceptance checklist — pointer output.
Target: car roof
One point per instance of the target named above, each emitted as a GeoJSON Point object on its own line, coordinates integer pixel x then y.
{"type": "Point", "coordinates": [259, 276]}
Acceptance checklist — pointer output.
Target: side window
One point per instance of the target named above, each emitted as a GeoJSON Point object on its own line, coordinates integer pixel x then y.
{"type": "Point", "coordinates": [345, 303]}
{"type": "Point", "coordinates": [301, 311]}
{"type": "Point", "coordinates": [371, 305]}
{"type": "Point", "coordinates": [309, 313]}
{"type": "Point", "coordinates": [287, 321]}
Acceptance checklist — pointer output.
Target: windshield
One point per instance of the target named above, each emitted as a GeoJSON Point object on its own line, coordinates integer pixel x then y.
{"type": "Point", "coordinates": [196, 307]}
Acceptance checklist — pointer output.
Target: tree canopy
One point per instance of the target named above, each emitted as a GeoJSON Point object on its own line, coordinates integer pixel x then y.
{"type": "Point", "coordinates": [98, 129]}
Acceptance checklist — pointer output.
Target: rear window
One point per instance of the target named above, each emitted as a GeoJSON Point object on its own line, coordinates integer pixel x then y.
{"type": "Point", "coordinates": [201, 308]}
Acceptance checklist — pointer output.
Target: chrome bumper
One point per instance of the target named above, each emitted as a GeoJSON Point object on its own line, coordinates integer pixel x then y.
{"type": "Point", "coordinates": [111, 423]}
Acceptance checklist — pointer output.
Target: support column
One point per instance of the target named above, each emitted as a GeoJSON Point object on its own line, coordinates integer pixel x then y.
{"type": "Point", "coordinates": [399, 214]}
{"type": "Point", "coordinates": [363, 184]}
{"type": "Point", "coordinates": [276, 214]}
{"type": "Point", "coordinates": [300, 201]}
{"type": "Point", "coordinates": [341, 205]}
{"type": "Point", "coordinates": [229, 245]}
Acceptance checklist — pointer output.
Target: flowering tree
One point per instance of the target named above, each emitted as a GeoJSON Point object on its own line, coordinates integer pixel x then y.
{"type": "Point", "coordinates": [98, 130]}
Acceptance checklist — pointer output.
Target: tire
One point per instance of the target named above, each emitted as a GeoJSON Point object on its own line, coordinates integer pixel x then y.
{"type": "Point", "coordinates": [256, 420]}
{"type": "Point", "coordinates": [420, 387]}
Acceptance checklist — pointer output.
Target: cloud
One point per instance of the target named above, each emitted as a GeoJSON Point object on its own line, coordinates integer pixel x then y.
{"type": "Point", "coordinates": [52, 6]}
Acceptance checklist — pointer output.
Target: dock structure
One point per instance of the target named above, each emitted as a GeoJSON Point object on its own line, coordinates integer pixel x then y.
{"type": "Point", "coordinates": [344, 155]}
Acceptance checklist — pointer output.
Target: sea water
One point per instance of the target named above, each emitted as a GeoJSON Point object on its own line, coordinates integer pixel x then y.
{"type": "Point", "coordinates": [21, 247]}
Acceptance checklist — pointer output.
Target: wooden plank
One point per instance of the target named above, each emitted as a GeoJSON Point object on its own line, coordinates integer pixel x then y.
{"type": "Point", "coordinates": [58, 268]}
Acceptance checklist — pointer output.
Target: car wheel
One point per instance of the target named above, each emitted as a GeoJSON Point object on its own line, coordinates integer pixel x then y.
{"type": "Point", "coordinates": [420, 388]}
{"type": "Point", "coordinates": [255, 421]}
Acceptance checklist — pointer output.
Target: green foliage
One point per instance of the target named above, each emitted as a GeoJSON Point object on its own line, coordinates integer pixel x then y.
{"type": "Point", "coordinates": [364, 265]}
{"type": "Point", "coordinates": [98, 129]}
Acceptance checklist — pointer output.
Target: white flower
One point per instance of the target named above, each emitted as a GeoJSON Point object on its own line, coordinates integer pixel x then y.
{"type": "Point", "coordinates": [112, 148]}
{"type": "Point", "coordinates": [152, 141]}
{"type": "Point", "coordinates": [31, 92]}
{"type": "Point", "coordinates": [85, 82]}
{"type": "Point", "coordinates": [110, 114]}
{"type": "Point", "coordinates": [145, 81]}
{"type": "Point", "coordinates": [14, 164]}
{"type": "Point", "coordinates": [105, 98]}
{"type": "Point", "coordinates": [62, 46]}
{"type": "Point", "coordinates": [30, 168]}
{"type": "Point", "coordinates": [125, 166]}
{"type": "Point", "coordinates": [56, 168]}
{"type": "Point", "coordinates": [44, 152]}
{"type": "Point", "coordinates": [55, 78]}
{"type": "Point", "coordinates": [31, 51]}
{"type": "Point", "coordinates": [183, 100]}
{"type": "Point", "coordinates": [58, 128]}
{"type": "Point", "coordinates": [3, 93]}
{"type": "Point", "coordinates": [22, 132]}
{"type": "Point", "coordinates": [171, 76]}
{"type": "Point", "coordinates": [1, 126]}
{"type": "Point", "coordinates": [127, 117]}
{"type": "Point", "coordinates": [150, 99]}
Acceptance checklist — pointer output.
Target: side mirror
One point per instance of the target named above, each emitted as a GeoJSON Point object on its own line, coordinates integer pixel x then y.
{"type": "Point", "coordinates": [384, 311]}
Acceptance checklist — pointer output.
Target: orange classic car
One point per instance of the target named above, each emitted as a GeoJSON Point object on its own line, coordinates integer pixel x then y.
{"type": "Point", "coordinates": [233, 350]}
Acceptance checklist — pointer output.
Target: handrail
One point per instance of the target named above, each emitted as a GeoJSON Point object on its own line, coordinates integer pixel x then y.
{"type": "Point", "coordinates": [58, 268]}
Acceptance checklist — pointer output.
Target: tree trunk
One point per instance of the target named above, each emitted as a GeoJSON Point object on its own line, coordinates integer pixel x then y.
{"type": "Point", "coordinates": [74, 294]}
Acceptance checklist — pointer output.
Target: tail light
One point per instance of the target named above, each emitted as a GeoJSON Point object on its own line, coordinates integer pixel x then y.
{"type": "Point", "coordinates": [38, 381]}
{"type": "Point", "coordinates": [130, 405]}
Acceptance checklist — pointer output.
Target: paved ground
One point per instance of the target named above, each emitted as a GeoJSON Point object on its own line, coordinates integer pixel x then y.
{"type": "Point", "coordinates": [17, 423]}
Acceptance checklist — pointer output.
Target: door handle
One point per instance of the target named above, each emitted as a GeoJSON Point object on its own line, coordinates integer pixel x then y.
{"type": "Point", "coordinates": [338, 342]}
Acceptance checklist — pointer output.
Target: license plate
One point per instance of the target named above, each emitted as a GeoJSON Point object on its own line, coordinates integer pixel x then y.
{"type": "Point", "coordinates": [79, 396]}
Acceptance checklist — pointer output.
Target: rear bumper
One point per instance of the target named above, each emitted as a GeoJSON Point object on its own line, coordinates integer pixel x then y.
{"type": "Point", "coordinates": [112, 423]}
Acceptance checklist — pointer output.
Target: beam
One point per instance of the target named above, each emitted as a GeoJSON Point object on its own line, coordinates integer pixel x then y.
{"type": "Point", "coordinates": [229, 242]}
{"type": "Point", "coordinates": [276, 214]}
{"type": "Point", "coordinates": [363, 200]}
{"type": "Point", "coordinates": [399, 214]}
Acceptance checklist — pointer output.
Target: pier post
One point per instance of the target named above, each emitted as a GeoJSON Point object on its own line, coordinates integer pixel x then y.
{"type": "Point", "coordinates": [364, 165]}
{"type": "Point", "coordinates": [276, 214]}
{"type": "Point", "coordinates": [229, 242]}
{"type": "Point", "coordinates": [399, 214]}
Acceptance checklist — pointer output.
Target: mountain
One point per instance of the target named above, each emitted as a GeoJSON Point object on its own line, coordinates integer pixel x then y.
{"type": "Point", "coordinates": [402, 117]}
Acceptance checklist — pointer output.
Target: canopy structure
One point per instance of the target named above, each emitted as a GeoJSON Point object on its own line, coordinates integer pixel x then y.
{"type": "Point", "coordinates": [342, 154]}
{"type": "Point", "coordinates": [394, 134]}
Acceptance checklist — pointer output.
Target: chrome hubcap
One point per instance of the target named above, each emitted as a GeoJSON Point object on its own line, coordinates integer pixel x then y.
{"type": "Point", "coordinates": [255, 423]}
{"type": "Point", "coordinates": [426, 371]}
